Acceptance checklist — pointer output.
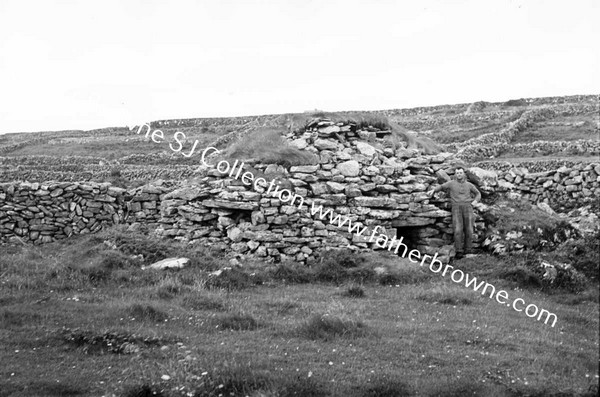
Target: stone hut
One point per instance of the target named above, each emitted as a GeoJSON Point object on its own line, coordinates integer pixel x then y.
{"type": "Point", "coordinates": [358, 183]}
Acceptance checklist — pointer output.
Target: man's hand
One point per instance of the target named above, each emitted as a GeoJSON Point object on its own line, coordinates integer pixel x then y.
{"type": "Point", "coordinates": [474, 202]}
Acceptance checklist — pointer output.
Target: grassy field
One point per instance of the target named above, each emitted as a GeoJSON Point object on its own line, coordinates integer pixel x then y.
{"type": "Point", "coordinates": [82, 319]}
{"type": "Point", "coordinates": [453, 124]}
{"type": "Point", "coordinates": [120, 143]}
{"type": "Point", "coordinates": [569, 128]}
{"type": "Point", "coordinates": [456, 133]}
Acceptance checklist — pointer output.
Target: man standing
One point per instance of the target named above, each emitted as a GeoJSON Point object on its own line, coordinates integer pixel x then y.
{"type": "Point", "coordinates": [463, 196]}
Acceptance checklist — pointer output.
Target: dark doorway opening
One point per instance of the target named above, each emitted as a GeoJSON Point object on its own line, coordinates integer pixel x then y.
{"type": "Point", "coordinates": [241, 216]}
{"type": "Point", "coordinates": [410, 237]}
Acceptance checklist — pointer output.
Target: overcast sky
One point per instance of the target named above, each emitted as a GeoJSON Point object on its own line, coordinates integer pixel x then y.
{"type": "Point", "coordinates": [84, 65]}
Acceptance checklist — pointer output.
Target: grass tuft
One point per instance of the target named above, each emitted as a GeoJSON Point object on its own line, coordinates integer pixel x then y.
{"type": "Point", "coordinates": [338, 266]}
{"type": "Point", "coordinates": [145, 312]}
{"type": "Point", "coordinates": [355, 292]}
{"type": "Point", "coordinates": [327, 327]}
{"type": "Point", "coordinates": [448, 296]}
{"type": "Point", "coordinates": [412, 140]}
{"type": "Point", "coordinates": [268, 146]}
{"type": "Point", "coordinates": [295, 273]}
{"type": "Point", "coordinates": [235, 380]}
{"type": "Point", "coordinates": [232, 279]}
{"type": "Point", "coordinates": [169, 287]}
{"type": "Point", "coordinates": [237, 322]}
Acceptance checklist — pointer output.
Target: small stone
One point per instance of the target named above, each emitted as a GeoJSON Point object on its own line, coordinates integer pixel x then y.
{"type": "Point", "coordinates": [235, 234]}
{"type": "Point", "coordinates": [299, 143]}
{"type": "Point", "coordinates": [349, 168]}
{"type": "Point", "coordinates": [365, 149]}
{"type": "Point", "coordinates": [169, 263]}
{"type": "Point", "coordinates": [336, 187]}
{"type": "Point", "coordinates": [325, 144]}
{"type": "Point", "coordinates": [329, 130]}
{"type": "Point", "coordinates": [56, 192]}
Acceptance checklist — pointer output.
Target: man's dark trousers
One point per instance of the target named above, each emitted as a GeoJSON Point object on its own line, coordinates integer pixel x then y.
{"type": "Point", "coordinates": [462, 222]}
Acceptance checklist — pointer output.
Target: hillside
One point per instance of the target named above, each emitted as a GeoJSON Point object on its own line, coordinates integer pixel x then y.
{"type": "Point", "coordinates": [560, 128]}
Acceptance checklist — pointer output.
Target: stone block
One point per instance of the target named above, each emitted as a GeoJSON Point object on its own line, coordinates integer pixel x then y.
{"type": "Point", "coordinates": [319, 188]}
{"type": "Point", "coordinates": [307, 169]}
{"type": "Point", "coordinates": [383, 214]}
{"type": "Point", "coordinates": [412, 221]}
{"type": "Point", "coordinates": [375, 202]}
{"type": "Point", "coordinates": [326, 144]}
{"type": "Point", "coordinates": [365, 149]}
{"type": "Point", "coordinates": [349, 168]}
{"type": "Point", "coordinates": [149, 205]}
{"type": "Point", "coordinates": [236, 205]}
{"type": "Point", "coordinates": [335, 187]}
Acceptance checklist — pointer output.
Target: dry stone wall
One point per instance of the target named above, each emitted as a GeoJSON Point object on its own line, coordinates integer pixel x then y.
{"type": "Point", "coordinates": [42, 213]}
{"type": "Point", "coordinates": [19, 145]}
{"type": "Point", "coordinates": [562, 188]}
{"type": "Point", "coordinates": [369, 184]}
{"type": "Point", "coordinates": [493, 144]}
{"type": "Point", "coordinates": [74, 168]}
{"type": "Point", "coordinates": [431, 121]}
{"type": "Point", "coordinates": [45, 212]}
{"type": "Point", "coordinates": [572, 101]}
{"type": "Point", "coordinates": [532, 165]}
{"type": "Point", "coordinates": [357, 176]}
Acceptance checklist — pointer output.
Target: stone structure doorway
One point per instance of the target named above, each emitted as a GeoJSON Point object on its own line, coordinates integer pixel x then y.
{"type": "Point", "coordinates": [410, 235]}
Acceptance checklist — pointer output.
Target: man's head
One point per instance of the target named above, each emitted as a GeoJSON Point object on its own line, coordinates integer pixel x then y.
{"type": "Point", "coordinates": [460, 174]}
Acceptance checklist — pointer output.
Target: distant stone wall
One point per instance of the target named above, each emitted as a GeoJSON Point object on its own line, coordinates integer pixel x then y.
{"type": "Point", "coordinates": [76, 168]}
{"type": "Point", "coordinates": [95, 173]}
{"type": "Point", "coordinates": [566, 148]}
{"type": "Point", "coordinates": [463, 107]}
{"type": "Point", "coordinates": [562, 188]}
{"type": "Point", "coordinates": [234, 122]}
{"type": "Point", "coordinates": [19, 145]}
{"type": "Point", "coordinates": [496, 143]}
{"type": "Point", "coordinates": [548, 164]}
{"type": "Point", "coordinates": [431, 121]}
